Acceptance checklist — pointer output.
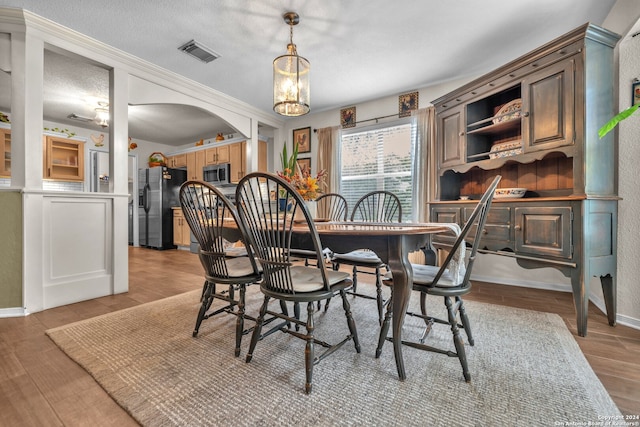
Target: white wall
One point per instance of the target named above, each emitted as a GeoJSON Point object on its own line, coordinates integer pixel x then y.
{"type": "Point", "coordinates": [625, 21]}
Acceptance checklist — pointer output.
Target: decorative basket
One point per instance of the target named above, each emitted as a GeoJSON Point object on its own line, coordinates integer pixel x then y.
{"type": "Point", "coordinates": [157, 159]}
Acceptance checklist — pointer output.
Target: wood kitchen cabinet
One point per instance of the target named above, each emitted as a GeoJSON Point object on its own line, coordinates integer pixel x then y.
{"type": "Point", "coordinates": [535, 122]}
{"type": "Point", "coordinates": [217, 155]}
{"type": "Point", "coordinates": [63, 159]}
{"type": "Point", "coordinates": [5, 153]}
{"type": "Point", "coordinates": [195, 163]}
{"type": "Point", "coordinates": [181, 230]}
{"type": "Point", "coordinates": [238, 160]}
{"type": "Point", "coordinates": [177, 161]}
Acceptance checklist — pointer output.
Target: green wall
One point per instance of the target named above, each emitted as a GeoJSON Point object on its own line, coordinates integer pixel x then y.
{"type": "Point", "coordinates": [10, 249]}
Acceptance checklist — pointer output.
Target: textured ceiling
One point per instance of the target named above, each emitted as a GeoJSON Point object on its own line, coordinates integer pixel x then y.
{"type": "Point", "coordinates": [358, 49]}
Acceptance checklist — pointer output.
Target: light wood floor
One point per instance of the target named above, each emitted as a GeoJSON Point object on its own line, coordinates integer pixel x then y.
{"type": "Point", "coordinates": [41, 386]}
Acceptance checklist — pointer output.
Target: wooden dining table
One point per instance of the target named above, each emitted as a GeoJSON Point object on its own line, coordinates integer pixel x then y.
{"type": "Point", "coordinates": [392, 243]}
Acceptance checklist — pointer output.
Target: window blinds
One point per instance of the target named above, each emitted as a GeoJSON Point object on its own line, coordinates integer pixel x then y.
{"type": "Point", "coordinates": [379, 159]}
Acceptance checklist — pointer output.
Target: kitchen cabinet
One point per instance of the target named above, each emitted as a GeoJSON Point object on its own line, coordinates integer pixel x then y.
{"type": "Point", "coordinates": [195, 163]}
{"type": "Point", "coordinates": [535, 122]}
{"type": "Point", "coordinates": [177, 161]}
{"type": "Point", "coordinates": [5, 153]}
{"type": "Point", "coordinates": [262, 156]}
{"type": "Point", "coordinates": [217, 155]}
{"type": "Point", "coordinates": [63, 158]}
{"type": "Point", "coordinates": [238, 160]}
{"type": "Point", "coordinates": [181, 230]}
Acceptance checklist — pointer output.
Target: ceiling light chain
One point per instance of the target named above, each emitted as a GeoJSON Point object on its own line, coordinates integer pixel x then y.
{"type": "Point", "coordinates": [291, 91]}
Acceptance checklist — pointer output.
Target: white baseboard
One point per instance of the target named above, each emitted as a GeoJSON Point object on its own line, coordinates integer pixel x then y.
{"type": "Point", "coordinates": [523, 283]}
{"type": "Point", "coordinates": [595, 299]}
{"type": "Point", "coordinates": [13, 312]}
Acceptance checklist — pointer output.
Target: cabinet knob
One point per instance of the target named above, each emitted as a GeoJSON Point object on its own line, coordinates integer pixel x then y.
{"type": "Point", "coordinates": [517, 228]}
{"type": "Point", "coordinates": [526, 114]}
{"type": "Point", "coordinates": [461, 134]}
{"type": "Point", "coordinates": [484, 231]}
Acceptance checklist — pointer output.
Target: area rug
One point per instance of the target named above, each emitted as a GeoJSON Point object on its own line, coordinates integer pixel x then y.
{"type": "Point", "coordinates": [526, 369]}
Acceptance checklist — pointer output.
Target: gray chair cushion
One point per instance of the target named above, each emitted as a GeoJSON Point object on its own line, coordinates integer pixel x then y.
{"type": "Point", "coordinates": [240, 267]}
{"type": "Point", "coordinates": [364, 257]}
{"type": "Point", "coordinates": [309, 279]}
{"type": "Point", "coordinates": [424, 275]}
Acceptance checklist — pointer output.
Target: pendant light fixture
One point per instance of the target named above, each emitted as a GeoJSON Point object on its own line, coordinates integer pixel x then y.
{"type": "Point", "coordinates": [291, 77]}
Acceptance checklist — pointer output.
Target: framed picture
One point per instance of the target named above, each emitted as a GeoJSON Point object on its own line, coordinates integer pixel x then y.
{"type": "Point", "coordinates": [348, 117]}
{"type": "Point", "coordinates": [406, 103]}
{"type": "Point", "coordinates": [302, 137]}
{"type": "Point", "coordinates": [304, 165]}
{"type": "Point", "coordinates": [635, 93]}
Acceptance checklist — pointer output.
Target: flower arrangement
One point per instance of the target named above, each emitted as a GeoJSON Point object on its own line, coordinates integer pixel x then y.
{"type": "Point", "coordinates": [308, 186]}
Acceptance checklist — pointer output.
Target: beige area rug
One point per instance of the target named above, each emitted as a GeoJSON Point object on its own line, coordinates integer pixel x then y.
{"type": "Point", "coordinates": [526, 370]}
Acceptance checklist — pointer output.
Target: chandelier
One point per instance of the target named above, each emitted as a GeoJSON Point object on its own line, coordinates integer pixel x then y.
{"type": "Point", "coordinates": [291, 77]}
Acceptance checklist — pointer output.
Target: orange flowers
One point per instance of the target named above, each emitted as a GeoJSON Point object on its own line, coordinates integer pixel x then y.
{"type": "Point", "coordinates": [308, 186]}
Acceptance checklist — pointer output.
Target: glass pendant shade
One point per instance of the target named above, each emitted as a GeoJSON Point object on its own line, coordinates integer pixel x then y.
{"type": "Point", "coordinates": [291, 84]}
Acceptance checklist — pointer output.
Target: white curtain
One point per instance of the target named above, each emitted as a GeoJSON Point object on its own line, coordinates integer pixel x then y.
{"type": "Point", "coordinates": [423, 120]}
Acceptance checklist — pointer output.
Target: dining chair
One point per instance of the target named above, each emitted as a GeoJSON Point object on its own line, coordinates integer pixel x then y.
{"type": "Point", "coordinates": [331, 207]}
{"type": "Point", "coordinates": [376, 206]}
{"type": "Point", "coordinates": [207, 212]}
{"type": "Point", "coordinates": [271, 233]}
{"type": "Point", "coordinates": [450, 280]}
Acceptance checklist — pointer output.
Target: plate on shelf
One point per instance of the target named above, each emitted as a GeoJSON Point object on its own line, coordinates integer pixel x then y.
{"type": "Point", "coordinates": [505, 149]}
{"type": "Point", "coordinates": [512, 107]}
{"type": "Point", "coordinates": [509, 193]}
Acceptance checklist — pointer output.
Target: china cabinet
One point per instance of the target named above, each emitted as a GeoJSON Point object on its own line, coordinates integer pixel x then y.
{"type": "Point", "coordinates": [535, 121]}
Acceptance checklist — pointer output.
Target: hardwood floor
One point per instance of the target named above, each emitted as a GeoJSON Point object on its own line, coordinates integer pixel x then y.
{"type": "Point", "coordinates": [41, 386]}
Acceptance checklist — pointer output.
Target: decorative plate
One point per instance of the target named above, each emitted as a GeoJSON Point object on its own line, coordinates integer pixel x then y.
{"type": "Point", "coordinates": [509, 193]}
{"type": "Point", "coordinates": [513, 107]}
{"type": "Point", "coordinates": [505, 149]}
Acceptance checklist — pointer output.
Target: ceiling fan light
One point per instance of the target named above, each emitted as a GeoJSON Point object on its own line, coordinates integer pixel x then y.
{"type": "Point", "coordinates": [102, 117]}
{"type": "Point", "coordinates": [291, 89]}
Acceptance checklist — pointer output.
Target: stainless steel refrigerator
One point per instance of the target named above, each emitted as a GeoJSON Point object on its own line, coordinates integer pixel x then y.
{"type": "Point", "coordinates": [157, 193]}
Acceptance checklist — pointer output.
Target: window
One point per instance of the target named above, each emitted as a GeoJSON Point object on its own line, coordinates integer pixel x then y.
{"type": "Point", "coordinates": [380, 158]}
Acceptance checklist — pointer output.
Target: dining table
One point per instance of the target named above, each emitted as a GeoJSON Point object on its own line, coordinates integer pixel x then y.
{"type": "Point", "coordinates": [392, 243]}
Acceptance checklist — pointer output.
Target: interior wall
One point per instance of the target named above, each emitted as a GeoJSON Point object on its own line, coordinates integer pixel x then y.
{"type": "Point", "coordinates": [629, 155]}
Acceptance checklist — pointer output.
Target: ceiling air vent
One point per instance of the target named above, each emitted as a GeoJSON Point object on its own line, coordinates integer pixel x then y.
{"type": "Point", "coordinates": [198, 51]}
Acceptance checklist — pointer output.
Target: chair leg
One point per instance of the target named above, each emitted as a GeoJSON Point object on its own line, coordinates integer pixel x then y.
{"type": "Point", "coordinates": [240, 319]}
{"type": "Point", "coordinates": [465, 320]}
{"type": "Point", "coordinates": [457, 339]}
{"type": "Point", "coordinates": [309, 349]}
{"type": "Point", "coordinates": [379, 299]}
{"type": "Point", "coordinates": [206, 299]}
{"type": "Point", "coordinates": [384, 330]}
{"type": "Point", "coordinates": [355, 280]}
{"type": "Point", "coordinates": [296, 313]}
{"type": "Point", "coordinates": [257, 329]}
{"type": "Point", "coordinates": [352, 324]}
{"type": "Point", "coordinates": [423, 311]}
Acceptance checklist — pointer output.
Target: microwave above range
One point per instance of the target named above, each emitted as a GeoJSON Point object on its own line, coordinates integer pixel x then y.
{"type": "Point", "coordinates": [217, 174]}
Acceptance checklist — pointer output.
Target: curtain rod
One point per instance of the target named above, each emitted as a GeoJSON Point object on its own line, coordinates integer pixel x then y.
{"type": "Point", "coordinates": [370, 120]}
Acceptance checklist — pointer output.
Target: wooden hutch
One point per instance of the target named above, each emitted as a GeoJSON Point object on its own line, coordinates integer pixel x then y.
{"type": "Point", "coordinates": [535, 122]}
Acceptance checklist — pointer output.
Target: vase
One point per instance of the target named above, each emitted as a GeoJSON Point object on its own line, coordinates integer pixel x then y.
{"type": "Point", "coordinates": [311, 207]}
{"type": "Point", "coordinates": [283, 205]}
